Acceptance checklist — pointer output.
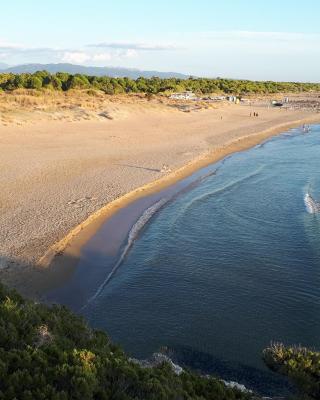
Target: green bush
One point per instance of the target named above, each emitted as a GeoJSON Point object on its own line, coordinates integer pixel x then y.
{"type": "Point", "coordinates": [49, 353]}
{"type": "Point", "coordinates": [301, 365]}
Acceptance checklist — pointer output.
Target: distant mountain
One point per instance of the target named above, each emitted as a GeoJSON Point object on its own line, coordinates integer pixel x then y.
{"type": "Point", "coordinates": [93, 71]}
{"type": "Point", "coordinates": [3, 66]}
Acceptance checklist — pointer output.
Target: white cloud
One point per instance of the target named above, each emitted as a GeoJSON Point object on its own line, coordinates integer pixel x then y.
{"type": "Point", "coordinates": [81, 57]}
{"type": "Point", "coordinates": [23, 54]}
{"type": "Point", "coordinates": [250, 43]}
{"type": "Point", "coordinates": [128, 53]}
{"type": "Point", "coordinates": [134, 46]}
{"type": "Point", "coordinates": [101, 57]}
{"type": "Point", "coordinates": [77, 57]}
{"type": "Point", "coordinates": [7, 46]}
{"type": "Point", "coordinates": [249, 38]}
{"type": "Point", "coordinates": [253, 35]}
{"type": "Point", "coordinates": [250, 54]}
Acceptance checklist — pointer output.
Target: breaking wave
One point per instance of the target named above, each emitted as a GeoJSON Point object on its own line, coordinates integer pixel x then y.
{"type": "Point", "coordinates": [312, 205]}
{"type": "Point", "coordinates": [133, 234]}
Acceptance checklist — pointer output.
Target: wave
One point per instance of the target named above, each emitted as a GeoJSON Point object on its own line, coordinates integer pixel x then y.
{"type": "Point", "coordinates": [312, 205]}
{"type": "Point", "coordinates": [139, 225]}
{"type": "Point", "coordinates": [229, 186]}
{"type": "Point", "coordinates": [133, 234]}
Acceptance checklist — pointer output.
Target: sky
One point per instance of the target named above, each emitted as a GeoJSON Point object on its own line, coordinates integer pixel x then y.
{"type": "Point", "coordinates": [249, 39]}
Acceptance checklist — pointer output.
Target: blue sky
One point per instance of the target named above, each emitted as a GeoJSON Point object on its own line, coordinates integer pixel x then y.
{"type": "Point", "coordinates": [261, 39]}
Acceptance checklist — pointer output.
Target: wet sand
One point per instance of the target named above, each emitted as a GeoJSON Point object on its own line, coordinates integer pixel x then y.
{"type": "Point", "coordinates": [61, 181]}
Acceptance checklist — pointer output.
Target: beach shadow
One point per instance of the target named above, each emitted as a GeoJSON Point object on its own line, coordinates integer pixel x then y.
{"type": "Point", "coordinates": [139, 167]}
{"type": "Point", "coordinates": [67, 281]}
{"type": "Point", "coordinates": [36, 282]}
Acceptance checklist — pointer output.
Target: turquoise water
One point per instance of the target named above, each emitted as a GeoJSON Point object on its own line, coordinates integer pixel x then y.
{"type": "Point", "coordinates": [226, 267]}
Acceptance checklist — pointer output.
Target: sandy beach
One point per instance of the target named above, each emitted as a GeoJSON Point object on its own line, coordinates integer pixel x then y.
{"type": "Point", "coordinates": [60, 179]}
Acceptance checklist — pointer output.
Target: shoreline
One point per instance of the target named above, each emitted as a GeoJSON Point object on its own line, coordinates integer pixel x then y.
{"type": "Point", "coordinates": [60, 261]}
{"type": "Point", "coordinates": [61, 181]}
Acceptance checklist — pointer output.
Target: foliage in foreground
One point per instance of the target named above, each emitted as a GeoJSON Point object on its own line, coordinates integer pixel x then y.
{"type": "Point", "coordinates": [64, 81]}
{"type": "Point", "coordinates": [301, 365]}
{"type": "Point", "coordinates": [49, 353]}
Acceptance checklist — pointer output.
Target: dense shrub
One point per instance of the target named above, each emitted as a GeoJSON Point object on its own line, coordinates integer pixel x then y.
{"type": "Point", "coordinates": [301, 365]}
{"type": "Point", "coordinates": [49, 353]}
{"type": "Point", "coordinates": [34, 83]}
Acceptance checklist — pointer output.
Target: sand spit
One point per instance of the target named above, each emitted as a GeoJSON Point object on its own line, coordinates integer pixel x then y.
{"type": "Point", "coordinates": [60, 180]}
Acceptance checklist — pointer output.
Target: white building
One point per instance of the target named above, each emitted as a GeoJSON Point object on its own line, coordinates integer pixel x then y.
{"type": "Point", "coordinates": [187, 95]}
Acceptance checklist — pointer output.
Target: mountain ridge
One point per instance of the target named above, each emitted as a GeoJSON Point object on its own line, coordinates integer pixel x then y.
{"type": "Point", "coordinates": [115, 72]}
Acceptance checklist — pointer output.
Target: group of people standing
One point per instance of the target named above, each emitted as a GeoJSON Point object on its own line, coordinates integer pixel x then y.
{"type": "Point", "coordinates": [255, 114]}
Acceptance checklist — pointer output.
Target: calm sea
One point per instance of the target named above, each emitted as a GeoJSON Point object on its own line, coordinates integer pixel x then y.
{"type": "Point", "coordinates": [226, 267]}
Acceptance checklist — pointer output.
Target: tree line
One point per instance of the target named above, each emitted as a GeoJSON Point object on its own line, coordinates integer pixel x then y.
{"type": "Point", "coordinates": [63, 82]}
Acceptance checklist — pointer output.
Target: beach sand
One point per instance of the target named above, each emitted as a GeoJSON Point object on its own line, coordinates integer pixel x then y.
{"type": "Point", "coordinates": [61, 179]}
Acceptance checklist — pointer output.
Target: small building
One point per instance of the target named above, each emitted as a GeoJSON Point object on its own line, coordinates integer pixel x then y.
{"type": "Point", "coordinates": [187, 95]}
{"type": "Point", "coordinates": [232, 99]}
{"type": "Point", "coordinates": [217, 98]}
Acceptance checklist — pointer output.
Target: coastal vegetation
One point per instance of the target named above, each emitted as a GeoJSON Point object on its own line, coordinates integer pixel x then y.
{"type": "Point", "coordinates": [49, 353]}
{"type": "Point", "coordinates": [64, 82]}
{"type": "Point", "coordinates": [301, 365]}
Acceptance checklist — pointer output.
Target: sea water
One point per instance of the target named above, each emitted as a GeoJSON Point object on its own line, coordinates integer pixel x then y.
{"type": "Point", "coordinates": [226, 267]}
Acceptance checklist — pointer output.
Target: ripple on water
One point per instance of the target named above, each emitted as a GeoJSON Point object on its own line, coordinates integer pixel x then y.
{"type": "Point", "coordinates": [226, 267]}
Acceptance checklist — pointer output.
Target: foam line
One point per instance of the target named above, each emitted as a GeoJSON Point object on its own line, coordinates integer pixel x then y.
{"type": "Point", "coordinates": [133, 234]}
{"type": "Point", "coordinates": [312, 206]}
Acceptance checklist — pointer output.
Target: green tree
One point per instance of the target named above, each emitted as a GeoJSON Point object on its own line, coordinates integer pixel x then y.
{"type": "Point", "coordinates": [78, 82]}
{"type": "Point", "coordinates": [34, 83]}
